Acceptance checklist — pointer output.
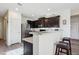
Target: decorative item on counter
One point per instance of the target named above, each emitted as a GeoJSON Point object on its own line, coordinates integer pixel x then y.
{"type": "Point", "coordinates": [56, 29]}
{"type": "Point", "coordinates": [42, 30]}
{"type": "Point", "coordinates": [64, 22]}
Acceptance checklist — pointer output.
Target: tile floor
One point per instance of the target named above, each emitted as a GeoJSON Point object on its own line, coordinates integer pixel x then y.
{"type": "Point", "coordinates": [4, 48]}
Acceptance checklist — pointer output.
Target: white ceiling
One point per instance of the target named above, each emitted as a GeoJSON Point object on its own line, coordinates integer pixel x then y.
{"type": "Point", "coordinates": [37, 9]}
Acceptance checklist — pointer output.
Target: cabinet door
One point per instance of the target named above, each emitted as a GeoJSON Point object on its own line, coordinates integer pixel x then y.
{"type": "Point", "coordinates": [28, 48]}
{"type": "Point", "coordinates": [52, 22]}
{"type": "Point", "coordinates": [41, 23]}
{"type": "Point", "coordinates": [36, 23]}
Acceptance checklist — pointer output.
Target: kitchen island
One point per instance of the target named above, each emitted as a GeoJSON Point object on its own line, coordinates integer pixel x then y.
{"type": "Point", "coordinates": [44, 43]}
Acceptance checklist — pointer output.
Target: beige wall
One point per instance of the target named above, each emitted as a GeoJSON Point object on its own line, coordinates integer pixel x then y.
{"type": "Point", "coordinates": [1, 28]}
{"type": "Point", "coordinates": [75, 12]}
{"type": "Point", "coordinates": [5, 25]}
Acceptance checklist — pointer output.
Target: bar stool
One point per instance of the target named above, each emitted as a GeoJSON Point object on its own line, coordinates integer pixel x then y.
{"type": "Point", "coordinates": [61, 46]}
{"type": "Point", "coordinates": [66, 39]}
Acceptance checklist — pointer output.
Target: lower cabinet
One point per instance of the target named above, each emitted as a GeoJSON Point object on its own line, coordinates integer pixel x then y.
{"type": "Point", "coordinates": [28, 48]}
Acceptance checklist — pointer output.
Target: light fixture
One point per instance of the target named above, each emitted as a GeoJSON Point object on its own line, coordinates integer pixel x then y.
{"type": "Point", "coordinates": [16, 9]}
{"type": "Point", "coordinates": [48, 9]}
{"type": "Point", "coordinates": [32, 15]}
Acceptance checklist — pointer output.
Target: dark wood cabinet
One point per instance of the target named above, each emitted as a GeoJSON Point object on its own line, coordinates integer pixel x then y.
{"type": "Point", "coordinates": [36, 24]}
{"type": "Point", "coordinates": [41, 22]}
{"type": "Point", "coordinates": [52, 22]}
{"type": "Point", "coordinates": [45, 22]}
{"type": "Point", "coordinates": [32, 23]}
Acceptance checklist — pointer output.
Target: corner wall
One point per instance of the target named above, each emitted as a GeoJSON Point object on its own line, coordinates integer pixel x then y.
{"type": "Point", "coordinates": [1, 28]}
{"type": "Point", "coordinates": [65, 15]}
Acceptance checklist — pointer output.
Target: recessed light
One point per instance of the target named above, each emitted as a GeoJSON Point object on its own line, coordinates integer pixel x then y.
{"type": "Point", "coordinates": [17, 9]}
{"type": "Point", "coordinates": [48, 9]}
{"type": "Point", "coordinates": [32, 15]}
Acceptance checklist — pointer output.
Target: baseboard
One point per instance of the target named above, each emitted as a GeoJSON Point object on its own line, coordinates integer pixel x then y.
{"type": "Point", "coordinates": [74, 39]}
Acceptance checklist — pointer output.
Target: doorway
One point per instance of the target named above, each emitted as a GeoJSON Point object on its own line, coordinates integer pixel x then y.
{"type": "Point", "coordinates": [75, 27]}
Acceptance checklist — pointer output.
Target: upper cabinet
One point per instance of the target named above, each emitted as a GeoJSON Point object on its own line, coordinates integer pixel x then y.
{"type": "Point", "coordinates": [41, 22]}
{"type": "Point", "coordinates": [45, 22]}
{"type": "Point", "coordinates": [52, 21]}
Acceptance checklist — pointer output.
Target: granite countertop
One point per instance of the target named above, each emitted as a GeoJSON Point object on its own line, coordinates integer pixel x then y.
{"type": "Point", "coordinates": [29, 39]}
{"type": "Point", "coordinates": [39, 32]}
{"type": "Point", "coordinates": [42, 32]}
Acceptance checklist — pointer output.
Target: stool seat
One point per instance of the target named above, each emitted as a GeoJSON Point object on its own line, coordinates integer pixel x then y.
{"type": "Point", "coordinates": [63, 42]}
{"type": "Point", "coordinates": [67, 39]}
{"type": "Point", "coordinates": [61, 46]}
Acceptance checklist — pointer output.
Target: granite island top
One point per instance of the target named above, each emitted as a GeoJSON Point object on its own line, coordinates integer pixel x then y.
{"type": "Point", "coordinates": [29, 39]}
{"type": "Point", "coordinates": [42, 32]}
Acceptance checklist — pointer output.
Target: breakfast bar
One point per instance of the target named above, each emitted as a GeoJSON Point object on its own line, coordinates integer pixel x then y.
{"type": "Point", "coordinates": [44, 42]}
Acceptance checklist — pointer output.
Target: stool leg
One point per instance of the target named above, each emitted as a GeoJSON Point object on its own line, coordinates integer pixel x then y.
{"type": "Point", "coordinates": [67, 51]}
{"type": "Point", "coordinates": [70, 52]}
{"type": "Point", "coordinates": [70, 48]}
{"type": "Point", "coordinates": [61, 50]}
{"type": "Point", "coordinates": [56, 51]}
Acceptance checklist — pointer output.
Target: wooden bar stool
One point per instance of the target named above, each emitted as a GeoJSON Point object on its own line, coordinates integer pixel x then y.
{"type": "Point", "coordinates": [61, 46]}
{"type": "Point", "coordinates": [66, 39]}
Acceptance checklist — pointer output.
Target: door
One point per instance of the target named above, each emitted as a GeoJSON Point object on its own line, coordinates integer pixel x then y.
{"type": "Point", "coordinates": [14, 28]}
{"type": "Point", "coordinates": [75, 30]}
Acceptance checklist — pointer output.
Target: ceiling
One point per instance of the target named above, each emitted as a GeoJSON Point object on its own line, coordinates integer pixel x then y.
{"type": "Point", "coordinates": [37, 9]}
